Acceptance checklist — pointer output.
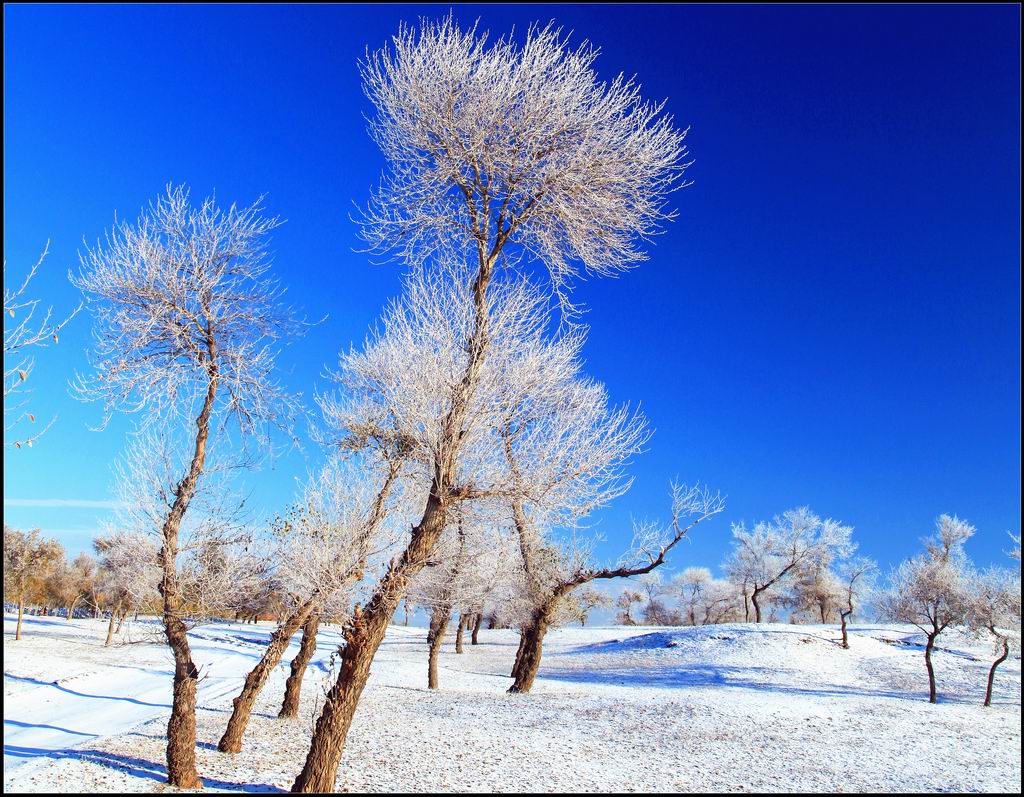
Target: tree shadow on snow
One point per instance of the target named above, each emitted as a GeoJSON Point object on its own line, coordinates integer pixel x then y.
{"type": "Point", "coordinates": [50, 727]}
{"type": "Point", "coordinates": [137, 767]}
{"type": "Point", "coordinates": [754, 678]}
{"type": "Point", "coordinates": [56, 685]}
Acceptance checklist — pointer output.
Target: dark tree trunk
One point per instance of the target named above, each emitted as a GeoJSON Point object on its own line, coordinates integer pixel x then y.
{"type": "Point", "coordinates": [460, 633]}
{"type": "Point", "coordinates": [438, 629]}
{"type": "Point", "coordinates": [231, 741]}
{"type": "Point", "coordinates": [757, 606]}
{"type": "Point", "coordinates": [110, 626]}
{"type": "Point", "coordinates": [746, 606]}
{"type": "Point", "coordinates": [363, 635]}
{"type": "Point", "coordinates": [843, 617]}
{"type": "Point", "coordinates": [365, 632]}
{"type": "Point", "coordinates": [181, 727]}
{"type": "Point", "coordinates": [71, 608]}
{"type": "Point", "coordinates": [531, 645]}
{"type": "Point", "coordinates": [477, 622]}
{"type": "Point", "coordinates": [992, 671]}
{"type": "Point", "coordinates": [519, 652]}
{"type": "Point", "coordinates": [932, 696]}
{"type": "Point", "coordinates": [293, 688]}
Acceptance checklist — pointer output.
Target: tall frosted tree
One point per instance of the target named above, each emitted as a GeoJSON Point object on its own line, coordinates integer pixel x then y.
{"type": "Point", "coordinates": [932, 591]}
{"type": "Point", "coordinates": [187, 323]}
{"type": "Point", "coordinates": [498, 152]}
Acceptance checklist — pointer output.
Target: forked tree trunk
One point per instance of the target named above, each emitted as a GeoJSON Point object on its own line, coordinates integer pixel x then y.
{"type": "Point", "coordinates": [996, 663]}
{"type": "Point", "coordinates": [293, 688]}
{"type": "Point", "coordinates": [531, 647]}
{"type": "Point", "coordinates": [460, 633]}
{"type": "Point", "coordinates": [757, 606]}
{"type": "Point", "coordinates": [71, 608]}
{"type": "Point", "coordinates": [231, 741]}
{"type": "Point", "coordinates": [438, 629]}
{"type": "Point", "coordinates": [477, 622]}
{"type": "Point", "coordinates": [932, 696]}
{"type": "Point", "coordinates": [120, 620]}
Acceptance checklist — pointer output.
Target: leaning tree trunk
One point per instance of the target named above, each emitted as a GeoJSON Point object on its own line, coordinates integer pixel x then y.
{"type": "Point", "coordinates": [477, 622]}
{"type": "Point", "coordinates": [293, 688]}
{"type": "Point", "coordinates": [231, 741]}
{"type": "Point", "coordinates": [365, 631]}
{"type": "Point", "coordinates": [519, 651]}
{"type": "Point", "coordinates": [363, 635]}
{"type": "Point", "coordinates": [71, 608]}
{"type": "Point", "coordinates": [120, 620]}
{"type": "Point", "coordinates": [996, 663]}
{"type": "Point", "coordinates": [531, 645]}
{"type": "Point", "coordinates": [460, 633]}
{"type": "Point", "coordinates": [932, 696]}
{"type": "Point", "coordinates": [181, 727]}
{"type": "Point", "coordinates": [843, 617]}
{"type": "Point", "coordinates": [110, 625]}
{"type": "Point", "coordinates": [438, 628]}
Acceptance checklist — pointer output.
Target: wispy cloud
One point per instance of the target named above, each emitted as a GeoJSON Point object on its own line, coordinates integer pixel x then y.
{"type": "Point", "coordinates": [73, 503]}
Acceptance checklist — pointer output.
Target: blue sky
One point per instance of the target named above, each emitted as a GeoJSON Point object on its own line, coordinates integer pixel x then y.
{"type": "Point", "coordinates": [833, 320]}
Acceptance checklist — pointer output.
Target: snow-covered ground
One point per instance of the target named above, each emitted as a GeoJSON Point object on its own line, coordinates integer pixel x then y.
{"type": "Point", "coordinates": [723, 708]}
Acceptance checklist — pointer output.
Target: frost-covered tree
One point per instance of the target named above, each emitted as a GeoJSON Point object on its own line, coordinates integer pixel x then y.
{"type": "Point", "coordinates": [994, 610]}
{"type": "Point", "coordinates": [321, 549]}
{"type": "Point", "coordinates": [584, 600]}
{"type": "Point", "coordinates": [28, 560]}
{"type": "Point", "coordinates": [550, 579]}
{"type": "Point", "coordinates": [187, 320]}
{"type": "Point", "coordinates": [496, 152]}
{"type": "Point", "coordinates": [721, 602]}
{"type": "Point", "coordinates": [772, 552]}
{"type": "Point", "coordinates": [128, 573]}
{"type": "Point", "coordinates": [690, 586]}
{"type": "Point", "coordinates": [625, 602]}
{"type": "Point", "coordinates": [815, 591]}
{"type": "Point", "coordinates": [26, 327]}
{"type": "Point", "coordinates": [463, 570]}
{"type": "Point", "coordinates": [858, 576]}
{"type": "Point", "coordinates": [656, 611]}
{"type": "Point", "coordinates": [932, 590]}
